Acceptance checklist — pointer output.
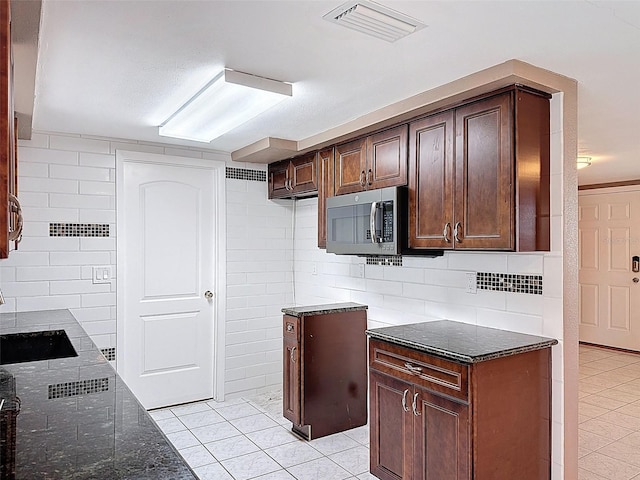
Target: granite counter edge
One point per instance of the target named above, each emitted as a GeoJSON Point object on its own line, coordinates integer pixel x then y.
{"type": "Point", "coordinates": [448, 354]}
{"type": "Point", "coordinates": [321, 310]}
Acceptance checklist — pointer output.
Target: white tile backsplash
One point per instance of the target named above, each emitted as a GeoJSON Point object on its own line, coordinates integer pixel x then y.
{"type": "Point", "coordinates": [78, 144]}
{"type": "Point", "coordinates": [46, 155]}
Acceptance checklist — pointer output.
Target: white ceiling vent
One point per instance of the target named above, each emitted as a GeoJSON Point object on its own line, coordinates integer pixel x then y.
{"type": "Point", "coordinates": [374, 19]}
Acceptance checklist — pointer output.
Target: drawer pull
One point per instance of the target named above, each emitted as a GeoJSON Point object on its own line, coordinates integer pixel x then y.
{"type": "Point", "coordinates": [293, 355]}
{"type": "Point", "coordinates": [414, 406]}
{"type": "Point", "coordinates": [404, 400]}
{"type": "Point", "coordinates": [412, 369]}
{"type": "Point", "coordinates": [289, 327]}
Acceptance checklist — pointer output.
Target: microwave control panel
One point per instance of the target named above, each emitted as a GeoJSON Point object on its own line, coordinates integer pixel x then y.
{"type": "Point", "coordinates": [387, 222]}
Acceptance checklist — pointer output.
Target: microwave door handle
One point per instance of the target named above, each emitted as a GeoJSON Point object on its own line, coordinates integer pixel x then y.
{"type": "Point", "coordinates": [372, 222]}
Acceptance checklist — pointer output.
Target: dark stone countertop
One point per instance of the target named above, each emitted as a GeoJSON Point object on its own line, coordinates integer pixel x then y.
{"type": "Point", "coordinates": [77, 419]}
{"type": "Point", "coordinates": [461, 342]}
{"type": "Point", "coordinates": [323, 309]}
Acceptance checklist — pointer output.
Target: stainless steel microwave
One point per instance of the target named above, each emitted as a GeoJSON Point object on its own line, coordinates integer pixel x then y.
{"type": "Point", "coordinates": [365, 223]}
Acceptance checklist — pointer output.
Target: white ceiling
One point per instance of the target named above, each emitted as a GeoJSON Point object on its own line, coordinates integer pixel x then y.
{"type": "Point", "coordinates": [120, 68]}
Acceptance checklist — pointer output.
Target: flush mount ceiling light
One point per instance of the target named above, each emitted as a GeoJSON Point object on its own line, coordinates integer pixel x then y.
{"type": "Point", "coordinates": [227, 101]}
{"type": "Point", "coordinates": [582, 162]}
{"type": "Point", "coordinates": [374, 19]}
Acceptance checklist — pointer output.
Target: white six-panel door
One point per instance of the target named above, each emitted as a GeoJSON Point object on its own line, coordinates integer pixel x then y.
{"type": "Point", "coordinates": [609, 297]}
{"type": "Point", "coordinates": [166, 278]}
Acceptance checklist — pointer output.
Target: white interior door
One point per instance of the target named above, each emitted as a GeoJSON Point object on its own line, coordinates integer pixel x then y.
{"type": "Point", "coordinates": [166, 283]}
{"type": "Point", "coordinates": [609, 298]}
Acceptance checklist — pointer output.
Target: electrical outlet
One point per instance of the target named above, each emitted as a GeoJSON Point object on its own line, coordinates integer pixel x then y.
{"type": "Point", "coordinates": [314, 268]}
{"type": "Point", "coordinates": [471, 282]}
{"type": "Point", "coordinates": [361, 270]}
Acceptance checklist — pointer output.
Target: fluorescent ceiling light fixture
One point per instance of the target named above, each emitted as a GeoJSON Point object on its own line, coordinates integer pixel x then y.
{"type": "Point", "coordinates": [227, 101]}
{"type": "Point", "coordinates": [374, 19]}
{"type": "Point", "coordinates": [582, 162]}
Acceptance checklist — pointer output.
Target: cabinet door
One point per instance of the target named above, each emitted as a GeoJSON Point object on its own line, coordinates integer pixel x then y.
{"type": "Point", "coordinates": [292, 381]}
{"type": "Point", "coordinates": [325, 190]}
{"type": "Point", "coordinates": [6, 125]}
{"type": "Point", "coordinates": [304, 174]}
{"type": "Point", "coordinates": [391, 427]}
{"type": "Point", "coordinates": [431, 181]}
{"type": "Point", "coordinates": [484, 205]}
{"type": "Point", "coordinates": [279, 179]}
{"type": "Point", "coordinates": [350, 166]}
{"type": "Point", "coordinates": [441, 437]}
{"type": "Point", "coordinates": [387, 158]}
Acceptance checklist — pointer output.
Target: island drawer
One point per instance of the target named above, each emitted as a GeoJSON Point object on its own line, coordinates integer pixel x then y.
{"type": "Point", "coordinates": [431, 372]}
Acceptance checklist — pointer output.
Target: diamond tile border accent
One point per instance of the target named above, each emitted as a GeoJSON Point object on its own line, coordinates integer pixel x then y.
{"type": "Point", "coordinates": [508, 282]}
{"type": "Point", "coordinates": [109, 353]}
{"type": "Point", "coordinates": [82, 387]}
{"type": "Point", "coordinates": [388, 260]}
{"type": "Point", "coordinates": [246, 174]}
{"type": "Point", "coordinates": [78, 229]}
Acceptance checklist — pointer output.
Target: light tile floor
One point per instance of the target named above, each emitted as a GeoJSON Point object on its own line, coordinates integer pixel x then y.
{"type": "Point", "coordinates": [248, 438]}
{"type": "Point", "coordinates": [609, 415]}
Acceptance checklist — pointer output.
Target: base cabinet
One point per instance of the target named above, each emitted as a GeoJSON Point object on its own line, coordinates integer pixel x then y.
{"type": "Point", "coordinates": [432, 418]}
{"type": "Point", "coordinates": [325, 372]}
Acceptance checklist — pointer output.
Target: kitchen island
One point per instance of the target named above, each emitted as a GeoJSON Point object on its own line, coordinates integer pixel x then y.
{"type": "Point", "coordinates": [453, 401]}
{"type": "Point", "coordinates": [73, 417]}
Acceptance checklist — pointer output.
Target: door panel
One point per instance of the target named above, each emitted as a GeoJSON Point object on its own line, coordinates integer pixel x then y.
{"type": "Point", "coordinates": [484, 176]}
{"type": "Point", "coordinates": [325, 190]}
{"type": "Point", "coordinates": [166, 264]}
{"type": "Point", "coordinates": [350, 165]}
{"type": "Point", "coordinates": [292, 382]}
{"type": "Point", "coordinates": [183, 352]}
{"type": "Point", "coordinates": [609, 235]}
{"type": "Point", "coordinates": [431, 179]}
{"type": "Point", "coordinates": [589, 304]}
{"type": "Point", "coordinates": [387, 153]}
{"type": "Point", "coordinates": [391, 426]}
{"type": "Point", "coordinates": [441, 438]}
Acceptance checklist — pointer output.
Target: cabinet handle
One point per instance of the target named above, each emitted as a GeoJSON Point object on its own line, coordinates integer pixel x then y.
{"type": "Point", "coordinates": [445, 232]}
{"type": "Point", "coordinates": [414, 406]}
{"type": "Point", "coordinates": [15, 208]}
{"type": "Point", "coordinates": [368, 178]}
{"type": "Point", "coordinates": [287, 184]}
{"type": "Point", "coordinates": [293, 355]}
{"type": "Point", "coordinates": [413, 369]}
{"type": "Point", "coordinates": [456, 232]}
{"type": "Point", "coordinates": [362, 178]}
{"type": "Point", "coordinates": [372, 222]}
{"type": "Point", "coordinates": [289, 327]}
{"type": "Point", "coordinates": [404, 400]}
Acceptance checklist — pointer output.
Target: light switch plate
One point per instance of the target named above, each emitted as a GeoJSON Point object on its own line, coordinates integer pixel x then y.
{"type": "Point", "coordinates": [102, 274]}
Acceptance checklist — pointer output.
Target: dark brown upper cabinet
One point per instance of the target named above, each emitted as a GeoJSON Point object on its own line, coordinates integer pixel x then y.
{"type": "Point", "coordinates": [479, 175]}
{"type": "Point", "coordinates": [325, 190]}
{"type": "Point", "coordinates": [296, 177]}
{"type": "Point", "coordinates": [10, 211]}
{"type": "Point", "coordinates": [375, 161]}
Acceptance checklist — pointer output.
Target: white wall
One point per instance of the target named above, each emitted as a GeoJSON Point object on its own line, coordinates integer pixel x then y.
{"type": "Point", "coordinates": [71, 179]}
{"type": "Point", "coordinates": [426, 289]}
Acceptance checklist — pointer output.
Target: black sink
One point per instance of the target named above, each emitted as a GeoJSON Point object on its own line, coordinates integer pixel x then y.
{"type": "Point", "coordinates": [33, 346]}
